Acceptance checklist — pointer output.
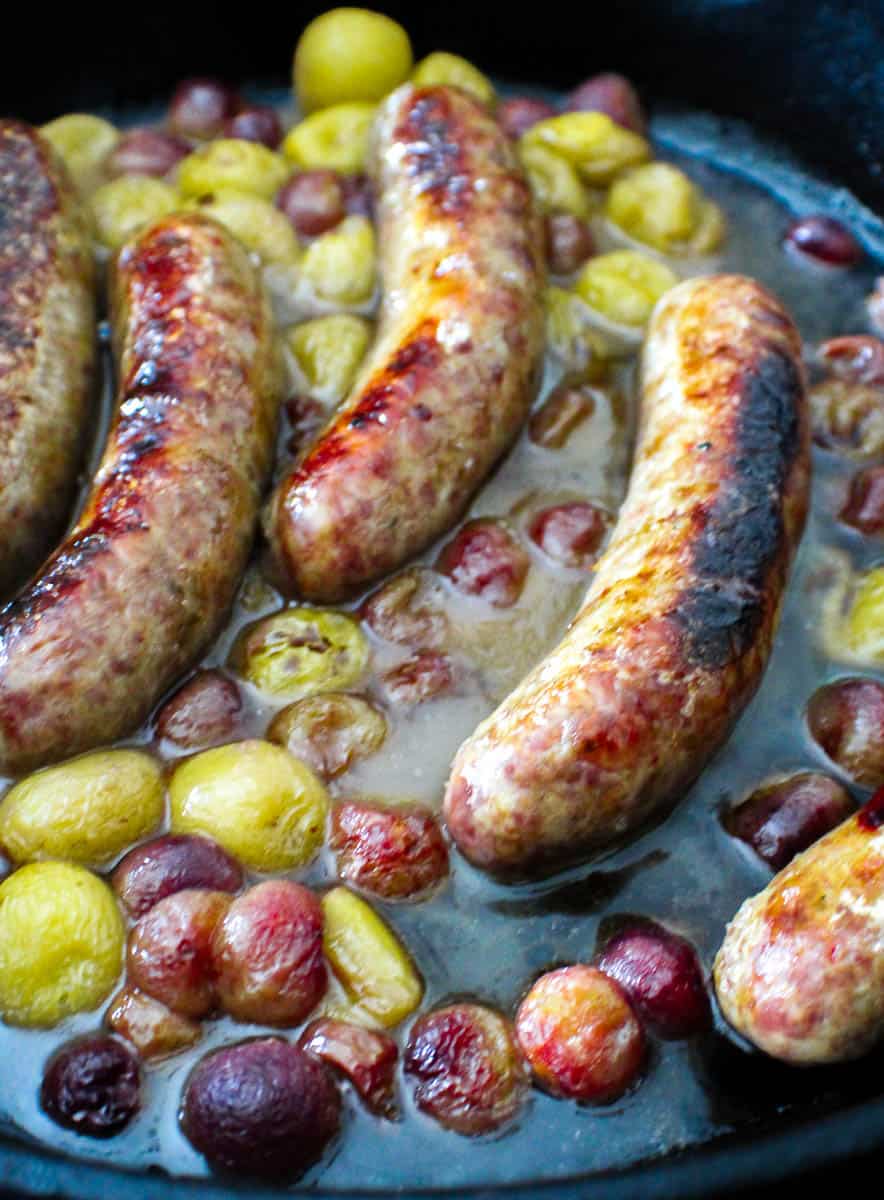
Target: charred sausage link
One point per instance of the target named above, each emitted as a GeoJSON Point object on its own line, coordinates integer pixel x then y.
{"type": "Point", "coordinates": [47, 348]}
{"type": "Point", "coordinates": [677, 625]}
{"type": "Point", "coordinates": [801, 970]}
{"type": "Point", "coordinates": [147, 575]}
{"type": "Point", "coordinates": [450, 378]}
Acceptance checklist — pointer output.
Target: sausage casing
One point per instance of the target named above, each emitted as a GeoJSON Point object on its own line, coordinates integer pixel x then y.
{"type": "Point", "coordinates": [677, 625]}
{"type": "Point", "coordinates": [451, 376]}
{"type": "Point", "coordinates": [801, 970]}
{"type": "Point", "coordinates": [47, 348]}
{"type": "Point", "coordinates": [147, 575]}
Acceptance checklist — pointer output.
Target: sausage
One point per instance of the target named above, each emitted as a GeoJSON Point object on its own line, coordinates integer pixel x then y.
{"type": "Point", "coordinates": [451, 375]}
{"type": "Point", "coordinates": [677, 625]}
{"type": "Point", "coordinates": [801, 970]}
{"type": "Point", "coordinates": [145, 579]}
{"type": "Point", "coordinates": [47, 348]}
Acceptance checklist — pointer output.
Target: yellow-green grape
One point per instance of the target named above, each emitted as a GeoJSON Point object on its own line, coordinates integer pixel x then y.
{"type": "Point", "coordinates": [370, 961]}
{"type": "Point", "coordinates": [554, 182]}
{"type": "Point", "coordinates": [260, 226]}
{"type": "Point", "coordinates": [341, 266]}
{"type": "Point", "coordinates": [597, 146]}
{"type": "Point", "coordinates": [330, 732]}
{"type": "Point", "coordinates": [336, 138]}
{"type": "Point", "coordinates": [328, 352]}
{"type": "Point", "coordinates": [301, 652]}
{"type": "Point", "coordinates": [349, 54]}
{"type": "Point", "coordinates": [232, 163]}
{"type": "Point", "coordinates": [125, 204]}
{"type": "Point", "coordinates": [262, 805]}
{"type": "Point", "coordinates": [61, 943]}
{"type": "Point", "coordinates": [860, 634]}
{"type": "Point", "coordinates": [568, 331]}
{"type": "Point", "coordinates": [84, 142]}
{"type": "Point", "coordinates": [87, 810]}
{"type": "Point", "coordinates": [658, 204]}
{"type": "Point", "coordinates": [443, 68]}
{"type": "Point", "coordinates": [711, 229]}
{"type": "Point", "coordinates": [624, 286]}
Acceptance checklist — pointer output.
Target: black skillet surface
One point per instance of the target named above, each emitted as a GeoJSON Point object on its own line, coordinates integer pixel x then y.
{"type": "Point", "coordinates": [810, 75]}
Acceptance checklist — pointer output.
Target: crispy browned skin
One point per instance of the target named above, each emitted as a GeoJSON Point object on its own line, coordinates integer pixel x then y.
{"type": "Point", "coordinates": [677, 625]}
{"type": "Point", "coordinates": [801, 969]}
{"type": "Point", "coordinates": [147, 576]}
{"type": "Point", "coordinates": [451, 376]}
{"type": "Point", "coordinates": [47, 348]}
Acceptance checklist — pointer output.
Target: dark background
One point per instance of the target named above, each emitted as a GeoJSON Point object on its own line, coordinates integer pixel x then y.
{"type": "Point", "coordinates": [808, 74]}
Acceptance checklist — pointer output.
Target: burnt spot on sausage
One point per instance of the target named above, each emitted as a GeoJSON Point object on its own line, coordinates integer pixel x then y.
{"type": "Point", "coordinates": [740, 534]}
{"type": "Point", "coordinates": [387, 398]}
{"type": "Point", "coordinates": [434, 149]}
{"type": "Point", "coordinates": [150, 396]}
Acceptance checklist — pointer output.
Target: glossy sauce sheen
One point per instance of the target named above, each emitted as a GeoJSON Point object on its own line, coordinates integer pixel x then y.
{"type": "Point", "coordinates": [489, 941]}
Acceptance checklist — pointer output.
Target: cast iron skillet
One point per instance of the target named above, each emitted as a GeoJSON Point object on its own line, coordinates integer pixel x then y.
{"type": "Point", "coordinates": [808, 74]}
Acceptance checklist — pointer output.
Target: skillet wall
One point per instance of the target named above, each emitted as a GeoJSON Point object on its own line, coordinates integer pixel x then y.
{"type": "Point", "coordinates": [809, 73]}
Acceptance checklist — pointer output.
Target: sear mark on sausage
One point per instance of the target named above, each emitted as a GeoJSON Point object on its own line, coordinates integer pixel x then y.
{"type": "Point", "coordinates": [741, 539]}
{"type": "Point", "coordinates": [433, 150]}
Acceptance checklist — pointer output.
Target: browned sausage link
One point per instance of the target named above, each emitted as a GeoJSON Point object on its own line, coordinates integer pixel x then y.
{"type": "Point", "coordinates": [147, 576]}
{"type": "Point", "coordinates": [47, 348]}
{"type": "Point", "coordinates": [801, 970]}
{"type": "Point", "coordinates": [450, 378]}
{"type": "Point", "coordinates": [677, 626]}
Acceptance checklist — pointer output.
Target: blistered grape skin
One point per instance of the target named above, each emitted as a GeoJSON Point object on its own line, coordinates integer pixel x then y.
{"type": "Point", "coordinates": [366, 1057]}
{"type": "Point", "coordinates": [825, 240]}
{"type": "Point", "coordinates": [146, 152]}
{"type": "Point", "coordinates": [394, 853]}
{"type": "Point", "coordinates": [580, 1035]}
{"type": "Point", "coordinates": [92, 1085]}
{"type": "Point", "coordinates": [404, 611]}
{"type": "Point", "coordinates": [203, 712]}
{"type": "Point", "coordinates": [262, 1108]}
{"type": "Point", "coordinates": [465, 1068]}
{"type": "Point", "coordinates": [153, 1029]}
{"type": "Point", "coordinates": [255, 123]}
{"type": "Point", "coordinates": [422, 677]}
{"type": "Point", "coordinates": [171, 864]}
{"type": "Point", "coordinates": [517, 114]}
{"type": "Point", "coordinates": [569, 243]}
{"type": "Point", "coordinates": [330, 733]}
{"type": "Point", "coordinates": [863, 508]}
{"type": "Point", "coordinates": [169, 954]}
{"type": "Point", "coordinates": [780, 820]}
{"type": "Point", "coordinates": [564, 410]}
{"type": "Point", "coordinates": [484, 559]}
{"type": "Point", "coordinates": [313, 201]}
{"type": "Point", "coordinates": [267, 954]}
{"type": "Point", "coordinates": [200, 106]}
{"type": "Point", "coordinates": [570, 534]}
{"type": "Point", "coordinates": [846, 719]}
{"type": "Point", "coordinates": [857, 358]}
{"type": "Point", "coordinates": [660, 973]}
{"type": "Point", "coordinates": [613, 95]}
